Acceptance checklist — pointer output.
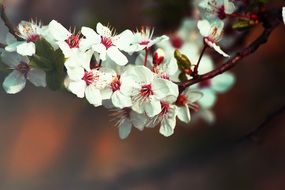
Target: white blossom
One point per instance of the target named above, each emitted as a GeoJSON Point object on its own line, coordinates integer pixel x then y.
{"type": "Point", "coordinates": [30, 32]}
{"type": "Point", "coordinates": [147, 90]}
{"type": "Point", "coordinates": [109, 45]}
{"type": "Point", "coordinates": [67, 41]}
{"type": "Point", "coordinates": [212, 9]}
{"type": "Point", "coordinates": [21, 71]}
{"type": "Point", "coordinates": [212, 33]}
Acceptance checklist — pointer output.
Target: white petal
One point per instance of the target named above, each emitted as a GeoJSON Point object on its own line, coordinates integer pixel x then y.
{"type": "Point", "coordinates": [120, 100]}
{"type": "Point", "coordinates": [125, 128]}
{"type": "Point", "coordinates": [209, 98]}
{"type": "Point", "coordinates": [204, 27]}
{"type": "Point", "coordinates": [163, 88]}
{"type": "Point", "coordinates": [37, 77]}
{"type": "Point", "coordinates": [93, 96]}
{"type": "Point", "coordinates": [14, 82]}
{"type": "Point", "coordinates": [77, 88]}
{"type": "Point", "coordinates": [193, 96]}
{"type": "Point", "coordinates": [101, 49]}
{"type": "Point", "coordinates": [103, 30]}
{"type": "Point", "coordinates": [66, 50]}
{"type": "Point", "coordinates": [152, 108]}
{"type": "Point", "coordinates": [183, 114]}
{"type": "Point", "coordinates": [139, 74]}
{"type": "Point", "coordinates": [166, 128]}
{"type": "Point", "coordinates": [58, 31]}
{"type": "Point", "coordinates": [117, 56]}
{"type": "Point", "coordinates": [76, 74]}
{"type": "Point", "coordinates": [92, 38]}
{"type": "Point", "coordinates": [124, 40]}
{"type": "Point", "coordinates": [28, 49]}
{"type": "Point", "coordinates": [223, 82]}
{"type": "Point", "coordinates": [106, 93]}
{"type": "Point", "coordinates": [216, 48]}
{"type": "Point", "coordinates": [11, 59]}
{"type": "Point", "coordinates": [229, 7]}
{"type": "Point", "coordinates": [11, 47]}
{"type": "Point", "coordinates": [138, 120]}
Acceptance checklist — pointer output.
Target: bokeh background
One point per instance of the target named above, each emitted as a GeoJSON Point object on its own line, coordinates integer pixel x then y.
{"type": "Point", "coordinates": [52, 140]}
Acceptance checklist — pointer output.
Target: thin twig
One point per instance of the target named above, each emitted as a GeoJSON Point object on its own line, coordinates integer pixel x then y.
{"type": "Point", "coordinates": [253, 135]}
{"type": "Point", "coordinates": [199, 60]}
{"type": "Point", "coordinates": [6, 21]}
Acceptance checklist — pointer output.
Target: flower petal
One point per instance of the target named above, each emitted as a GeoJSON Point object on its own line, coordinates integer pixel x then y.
{"type": "Point", "coordinates": [138, 120]}
{"type": "Point", "coordinates": [223, 82]}
{"type": "Point", "coordinates": [93, 96]}
{"type": "Point", "coordinates": [152, 108]}
{"type": "Point", "coordinates": [216, 48]}
{"type": "Point", "coordinates": [204, 27]}
{"type": "Point", "coordinates": [77, 88]}
{"type": "Point", "coordinates": [103, 30]}
{"type": "Point", "coordinates": [183, 114]}
{"type": "Point", "coordinates": [12, 59]}
{"type": "Point", "coordinates": [37, 77]}
{"type": "Point", "coordinates": [59, 32]}
{"type": "Point", "coordinates": [14, 82]}
{"type": "Point", "coordinates": [27, 49]}
{"type": "Point", "coordinates": [125, 128]}
{"type": "Point", "coordinates": [117, 56]}
{"type": "Point", "coordinates": [120, 100]}
{"type": "Point", "coordinates": [163, 88]}
{"type": "Point", "coordinates": [209, 98]}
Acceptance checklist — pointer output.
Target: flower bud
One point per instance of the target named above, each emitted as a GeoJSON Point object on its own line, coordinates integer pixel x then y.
{"type": "Point", "coordinates": [158, 57]}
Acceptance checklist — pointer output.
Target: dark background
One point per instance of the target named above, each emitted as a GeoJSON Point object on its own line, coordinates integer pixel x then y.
{"type": "Point", "coordinates": [52, 140]}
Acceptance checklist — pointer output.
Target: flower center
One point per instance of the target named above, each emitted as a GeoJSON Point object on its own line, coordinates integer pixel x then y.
{"type": "Point", "coordinates": [164, 108]}
{"type": "Point", "coordinates": [146, 90]}
{"type": "Point", "coordinates": [73, 41]}
{"type": "Point", "coordinates": [89, 78]}
{"type": "Point", "coordinates": [23, 68]}
{"type": "Point", "coordinates": [176, 42]}
{"type": "Point", "coordinates": [144, 42]}
{"type": "Point", "coordinates": [221, 12]}
{"type": "Point", "coordinates": [181, 100]}
{"type": "Point", "coordinates": [107, 42]}
{"type": "Point", "coordinates": [34, 38]}
{"type": "Point", "coordinates": [205, 84]}
{"type": "Point", "coordinates": [116, 84]}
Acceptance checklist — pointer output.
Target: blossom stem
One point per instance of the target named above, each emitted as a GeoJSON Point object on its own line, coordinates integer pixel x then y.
{"type": "Point", "coordinates": [195, 72]}
{"type": "Point", "coordinates": [146, 56]}
{"type": "Point", "coordinates": [7, 22]}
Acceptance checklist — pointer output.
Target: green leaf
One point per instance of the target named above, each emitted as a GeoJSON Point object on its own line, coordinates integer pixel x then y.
{"type": "Point", "coordinates": [51, 61]}
{"type": "Point", "coordinates": [241, 25]}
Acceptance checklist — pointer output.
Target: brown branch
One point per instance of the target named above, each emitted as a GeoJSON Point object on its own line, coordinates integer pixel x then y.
{"type": "Point", "coordinates": [269, 26]}
{"type": "Point", "coordinates": [7, 21]}
{"type": "Point", "coordinates": [253, 135]}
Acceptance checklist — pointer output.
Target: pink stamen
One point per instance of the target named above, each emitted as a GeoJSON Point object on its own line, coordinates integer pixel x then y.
{"type": "Point", "coordinates": [89, 78]}
{"type": "Point", "coordinates": [107, 42]}
{"type": "Point", "coordinates": [146, 90]}
{"type": "Point", "coordinates": [33, 38]}
{"type": "Point", "coordinates": [23, 68]}
{"type": "Point", "coordinates": [116, 84]}
{"type": "Point", "coordinates": [73, 41]}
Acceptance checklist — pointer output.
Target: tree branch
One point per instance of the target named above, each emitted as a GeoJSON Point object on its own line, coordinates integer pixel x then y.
{"type": "Point", "coordinates": [6, 21]}
{"type": "Point", "coordinates": [269, 26]}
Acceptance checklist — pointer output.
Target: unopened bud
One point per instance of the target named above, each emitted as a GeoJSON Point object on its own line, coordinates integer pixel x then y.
{"type": "Point", "coordinates": [158, 57]}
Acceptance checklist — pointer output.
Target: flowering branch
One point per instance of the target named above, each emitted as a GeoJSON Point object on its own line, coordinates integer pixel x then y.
{"type": "Point", "coordinates": [269, 26]}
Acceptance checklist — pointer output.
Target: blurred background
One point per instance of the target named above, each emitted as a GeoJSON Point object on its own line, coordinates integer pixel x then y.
{"type": "Point", "coordinates": [52, 140]}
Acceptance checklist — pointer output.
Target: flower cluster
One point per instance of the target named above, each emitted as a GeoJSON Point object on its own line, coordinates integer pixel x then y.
{"type": "Point", "coordinates": [98, 68]}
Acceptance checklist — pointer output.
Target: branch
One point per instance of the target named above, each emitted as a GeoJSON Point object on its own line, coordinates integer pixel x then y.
{"type": "Point", "coordinates": [7, 22]}
{"type": "Point", "coordinates": [253, 135]}
{"type": "Point", "coordinates": [269, 26]}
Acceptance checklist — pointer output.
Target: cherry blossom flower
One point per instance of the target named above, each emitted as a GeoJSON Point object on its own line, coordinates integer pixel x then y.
{"type": "Point", "coordinates": [90, 83]}
{"type": "Point", "coordinates": [21, 71]}
{"type": "Point", "coordinates": [147, 90]}
{"type": "Point", "coordinates": [30, 32]}
{"type": "Point", "coordinates": [185, 101]}
{"type": "Point", "coordinates": [67, 41]}
{"type": "Point", "coordinates": [212, 33]}
{"type": "Point", "coordinates": [127, 119]}
{"type": "Point", "coordinates": [109, 45]}
{"type": "Point", "coordinates": [143, 39]}
{"type": "Point", "coordinates": [166, 118]}
{"type": "Point", "coordinates": [217, 8]}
